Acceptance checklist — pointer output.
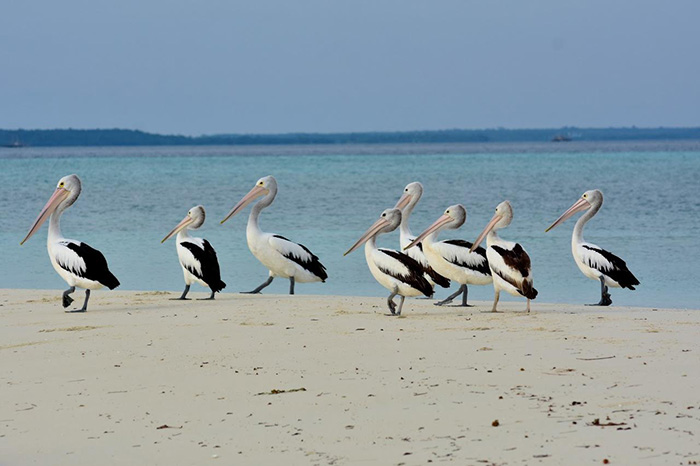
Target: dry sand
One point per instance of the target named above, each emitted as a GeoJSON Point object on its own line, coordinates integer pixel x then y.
{"type": "Point", "coordinates": [141, 380]}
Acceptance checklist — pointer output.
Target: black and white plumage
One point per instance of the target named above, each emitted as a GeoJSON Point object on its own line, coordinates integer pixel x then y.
{"type": "Point", "coordinates": [409, 273]}
{"type": "Point", "coordinates": [510, 264]}
{"type": "Point", "coordinates": [454, 258]}
{"type": "Point", "coordinates": [478, 263]}
{"type": "Point", "coordinates": [398, 272]}
{"type": "Point", "coordinates": [301, 255]}
{"type": "Point", "coordinates": [77, 263]}
{"type": "Point", "coordinates": [595, 262]}
{"type": "Point", "coordinates": [85, 262]}
{"type": "Point", "coordinates": [197, 257]}
{"type": "Point", "coordinates": [406, 203]}
{"type": "Point", "coordinates": [282, 257]}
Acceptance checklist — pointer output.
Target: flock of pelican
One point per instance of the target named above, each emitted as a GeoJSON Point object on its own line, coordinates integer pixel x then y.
{"type": "Point", "coordinates": [421, 262]}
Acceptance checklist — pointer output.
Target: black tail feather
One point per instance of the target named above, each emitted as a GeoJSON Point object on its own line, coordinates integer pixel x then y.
{"type": "Point", "coordinates": [218, 286]}
{"type": "Point", "coordinates": [437, 278]}
{"type": "Point", "coordinates": [528, 290]}
{"type": "Point", "coordinates": [110, 281]}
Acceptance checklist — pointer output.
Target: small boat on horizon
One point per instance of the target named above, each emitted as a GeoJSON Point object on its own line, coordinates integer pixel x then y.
{"type": "Point", "coordinates": [561, 138]}
{"type": "Point", "coordinates": [13, 145]}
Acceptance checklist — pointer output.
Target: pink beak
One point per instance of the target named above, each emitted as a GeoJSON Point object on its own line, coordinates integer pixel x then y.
{"type": "Point", "coordinates": [253, 194]}
{"type": "Point", "coordinates": [437, 225]}
{"type": "Point", "coordinates": [185, 221]}
{"type": "Point", "coordinates": [373, 230]}
{"type": "Point", "coordinates": [403, 201]}
{"type": "Point", "coordinates": [483, 234]}
{"type": "Point", "coordinates": [578, 206]}
{"type": "Point", "coordinates": [57, 197]}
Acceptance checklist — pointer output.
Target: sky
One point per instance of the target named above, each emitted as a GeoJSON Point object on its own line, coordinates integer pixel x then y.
{"type": "Point", "coordinates": [275, 66]}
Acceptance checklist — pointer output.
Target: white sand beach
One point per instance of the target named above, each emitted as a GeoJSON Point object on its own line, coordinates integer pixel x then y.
{"type": "Point", "coordinates": [271, 379]}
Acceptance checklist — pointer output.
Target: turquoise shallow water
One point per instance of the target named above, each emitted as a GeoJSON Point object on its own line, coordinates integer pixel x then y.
{"type": "Point", "coordinates": [328, 196]}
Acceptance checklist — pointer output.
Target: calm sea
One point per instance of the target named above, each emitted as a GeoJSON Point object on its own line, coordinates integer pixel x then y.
{"type": "Point", "coordinates": [328, 195]}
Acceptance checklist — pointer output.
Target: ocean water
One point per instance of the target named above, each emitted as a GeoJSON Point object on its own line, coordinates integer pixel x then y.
{"type": "Point", "coordinates": [328, 195]}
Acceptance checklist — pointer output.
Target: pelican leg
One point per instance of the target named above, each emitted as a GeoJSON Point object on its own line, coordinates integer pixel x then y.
{"type": "Point", "coordinates": [403, 298]}
{"type": "Point", "coordinates": [291, 285]}
{"type": "Point", "coordinates": [604, 295]}
{"type": "Point", "coordinates": [184, 293]}
{"type": "Point", "coordinates": [84, 308]}
{"type": "Point", "coordinates": [257, 290]}
{"type": "Point", "coordinates": [528, 306]}
{"type": "Point", "coordinates": [210, 298]}
{"type": "Point", "coordinates": [462, 289]}
{"type": "Point", "coordinates": [495, 301]}
{"type": "Point", "coordinates": [390, 301]}
{"type": "Point", "coordinates": [66, 296]}
{"type": "Point", "coordinates": [464, 296]}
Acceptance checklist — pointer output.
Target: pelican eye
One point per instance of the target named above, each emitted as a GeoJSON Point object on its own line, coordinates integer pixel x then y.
{"type": "Point", "coordinates": [383, 215]}
{"type": "Point", "coordinates": [61, 184]}
{"type": "Point", "coordinates": [406, 189]}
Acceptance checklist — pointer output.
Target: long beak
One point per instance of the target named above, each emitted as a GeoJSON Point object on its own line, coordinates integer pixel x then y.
{"type": "Point", "coordinates": [185, 221]}
{"type": "Point", "coordinates": [483, 234]}
{"type": "Point", "coordinates": [403, 201]}
{"type": "Point", "coordinates": [373, 230]}
{"type": "Point", "coordinates": [253, 194]}
{"type": "Point", "coordinates": [56, 198]}
{"type": "Point", "coordinates": [444, 219]}
{"type": "Point", "coordinates": [578, 206]}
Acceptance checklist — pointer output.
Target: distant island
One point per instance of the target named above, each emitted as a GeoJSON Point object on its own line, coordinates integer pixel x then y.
{"type": "Point", "coordinates": [126, 137]}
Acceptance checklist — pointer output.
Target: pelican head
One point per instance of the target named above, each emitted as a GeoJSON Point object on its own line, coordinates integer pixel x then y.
{"type": "Point", "coordinates": [67, 191]}
{"type": "Point", "coordinates": [263, 187]}
{"type": "Point", "coordinates": [411, 195]}
{"type": "Point", "coordinates": [193, 220]}
{"type": "Point", "coordinates": [388, 221]}
{"type": "Point", "coordinates": [501, 219]}
{"type": "Point", "coordinates": [453, 218]}
{"type": "Point", "coordinates": [592, 198]}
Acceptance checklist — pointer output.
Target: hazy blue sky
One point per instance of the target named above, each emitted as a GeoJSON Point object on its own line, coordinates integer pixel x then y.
{"type": "Point", "coordinates": [213, 66]}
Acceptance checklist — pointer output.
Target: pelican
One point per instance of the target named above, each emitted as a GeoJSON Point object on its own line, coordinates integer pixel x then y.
{"type": "Point", "coordinates": [453, 258]}
{"type": "Point", "coordinates": [394, 270]}
{"type": "Point", "coordinates": [197, 257]}
{"type": "Point", "coordinates": [282, 257]}
{"type": "Point", "coordinates": [76, 262]}
{"type": "Point", "coordinates": [508, 261]}
{"type": "Point", "coordinates": [595, 262]}
{"type": "Point", "coordinates": [410, 197]}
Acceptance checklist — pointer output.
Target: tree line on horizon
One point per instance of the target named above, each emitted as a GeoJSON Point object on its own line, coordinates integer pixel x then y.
{"type": "Point", "coordinates": [126, 137]}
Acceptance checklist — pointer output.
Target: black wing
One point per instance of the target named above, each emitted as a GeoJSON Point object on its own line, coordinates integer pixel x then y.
{"type": "Point", "coordinates": [436, 277]}
{"type": "Point", "coordinates": [415, 277]}
{"type": "Point", "coordinates": [525, 288]}
{"type": "Point", "coordinates": [96, 268]}
{"type": "Point", "coordinates": [515, 258]}
{"type": "Point", "coordinates": [518, 260]}
{"type": "Point", "coordinates": [313, 265]}
{"type": "Point", "coordinates": [206, 256]}
{"type": "Point", "coordinates": [619, 271]}
{"type": "Point", "coordinates": [482, 267]}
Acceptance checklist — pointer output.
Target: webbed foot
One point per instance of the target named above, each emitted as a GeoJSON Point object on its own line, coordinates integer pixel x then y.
{"type": "Point", "coordinates": [67, 300]}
